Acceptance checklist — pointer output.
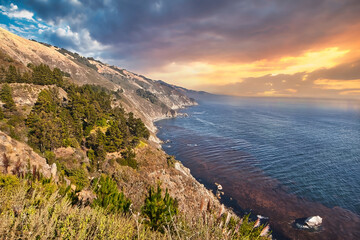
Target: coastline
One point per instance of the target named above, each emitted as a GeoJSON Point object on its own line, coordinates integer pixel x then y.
{"type": "Point", "coordinates": [210, 188]}
{"type": "Point", "coordinates": [272, 200]}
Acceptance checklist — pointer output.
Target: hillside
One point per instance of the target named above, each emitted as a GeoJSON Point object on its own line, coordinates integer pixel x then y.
{"type": "Point", "coordinates": [77, 139]}
{"type": "Point", "coordinates": [148, 99]}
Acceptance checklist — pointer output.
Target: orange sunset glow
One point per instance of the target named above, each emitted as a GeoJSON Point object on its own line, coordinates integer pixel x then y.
{"type": "Point", "coordinates": [242, 48]}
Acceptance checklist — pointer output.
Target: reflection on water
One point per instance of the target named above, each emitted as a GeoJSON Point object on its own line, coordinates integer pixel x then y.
{"type": "Point", "coordinates": [286, 158]}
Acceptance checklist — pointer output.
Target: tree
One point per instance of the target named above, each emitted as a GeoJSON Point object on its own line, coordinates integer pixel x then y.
{"type": "Point", "coordinates": [43, 75]}
{"type": "Point", "coordinates": [7, 98]}
{"type": "Point", "coordinates": [109, 197]}
{"type": "Point", "coordinates": [137, 127]}
{"type": "Point", "coordinates": [114, 137]}
{"type": "Point", "coordinates": [159, 210]}
{"type": "Point", "coordinates": [1, 114]}
{"type": "Point", "coordinates": [12, 75]}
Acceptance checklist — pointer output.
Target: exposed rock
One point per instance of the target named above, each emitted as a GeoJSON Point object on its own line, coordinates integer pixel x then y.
{"type": "Point", "coordinates": [21, 157]}
{"type": "Point", "coordinates": [53, 170]}
{"type": "Point", "coordinates": [313, 221]}
{"type": "Point", "coordinates": [186, 171]}
{"type": "Point", "coordinates": [153, 168]}
{"type": "Point", "coordinates": [67, 181]}
{"type": "Point", "coordinates": [86, 197]}
{"type": "Point", "coordinates": [71, 153]}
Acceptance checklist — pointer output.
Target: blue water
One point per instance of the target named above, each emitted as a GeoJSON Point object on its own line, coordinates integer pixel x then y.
{"type": "Point", "coordinates": [310, 147]}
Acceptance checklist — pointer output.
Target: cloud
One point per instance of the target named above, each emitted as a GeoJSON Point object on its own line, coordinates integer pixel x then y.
{"type": "Point", "coordinates": [344, 71]}
{"type": "Point", "coordinates": [244, 43]}
{"type": "Point", "coordinates": [338, 81]}
{"type": "Point", "coordinates": [14, 12]}
{"type": "Point", "coordinates": [76, 41]}
{"type": "Point", "coordinates": [204, 30]}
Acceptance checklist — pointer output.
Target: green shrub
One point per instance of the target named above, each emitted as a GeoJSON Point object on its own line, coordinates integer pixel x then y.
{"type": "Point", "coordinates": [8, 181]}
{"type": "Point", "coordinates": [159, 210]}
{"type": "Point", "coordinates": [171, 161]}
{"type": "Point", "coordinates": [147, 95]}
{"type": "Point", "coordinates": [109, 197]}
{"type": "Point", "coordinates": [50, 156]}
{"type": "Point", "coordinates": [79, 177]}
{"type": "Point", "coordinates": [128, 159]}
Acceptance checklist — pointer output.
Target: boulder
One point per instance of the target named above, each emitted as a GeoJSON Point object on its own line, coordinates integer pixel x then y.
{"type": "Point", "coordinates": [314, 221]}
{"type": "Point", "coordinates": [86, 196]}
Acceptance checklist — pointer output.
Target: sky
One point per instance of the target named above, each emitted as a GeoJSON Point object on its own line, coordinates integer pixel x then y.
{"type": "Point", "coordinates": [238, 47]}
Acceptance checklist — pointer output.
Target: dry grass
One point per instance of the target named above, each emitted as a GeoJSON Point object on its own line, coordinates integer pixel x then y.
{"type": "Point", "coordinates": [35, 210]}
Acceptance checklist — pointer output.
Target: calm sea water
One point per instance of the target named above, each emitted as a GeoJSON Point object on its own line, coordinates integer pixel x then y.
{"type": "Point", "coordinates": [307, 148]}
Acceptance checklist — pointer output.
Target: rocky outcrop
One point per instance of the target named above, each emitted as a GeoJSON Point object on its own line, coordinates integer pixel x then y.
{"type": "Point", "coordinates": [153, 169]}
{"type": "Point", "coordinates": [25, 95]}
{"type": "Point", "coordinates": [17, 157]}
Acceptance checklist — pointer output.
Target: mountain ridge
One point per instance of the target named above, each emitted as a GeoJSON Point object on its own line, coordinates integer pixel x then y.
{"type": "Point", "coordinates": [82, 70]}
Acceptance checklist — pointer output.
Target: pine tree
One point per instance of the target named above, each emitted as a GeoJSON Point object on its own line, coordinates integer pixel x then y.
{"type": "Point", "coordinates": [6, 97]}
{"type": "Point", "coordinates": [159, 210]}
{"type": "Point", "coordinates": [109, 197]}
{"type": "Point", "coordinates": [12, 75]}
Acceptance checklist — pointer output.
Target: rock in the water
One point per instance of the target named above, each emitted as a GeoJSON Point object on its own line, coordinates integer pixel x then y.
{"type": "Point", "coordinates": [314, 221]}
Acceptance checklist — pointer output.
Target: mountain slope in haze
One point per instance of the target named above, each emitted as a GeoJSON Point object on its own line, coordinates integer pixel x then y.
{"type": "Point", "coordinates": [150, 100]}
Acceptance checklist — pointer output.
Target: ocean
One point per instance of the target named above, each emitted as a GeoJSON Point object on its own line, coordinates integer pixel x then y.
{"type": "Point", "coordinates": [280, 157]}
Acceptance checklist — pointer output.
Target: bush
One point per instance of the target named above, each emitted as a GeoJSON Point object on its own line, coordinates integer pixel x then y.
{"type": "Point", "coordinates": [49, 156]}
{"type": "Point", "coordinates": [147, 95]}
{"type": "Point", "coordinates": [170, 161]}
{"type": "Point", "coordinates": [8, 181]}
{"type": "Point", "coordinates": [109, 197]}
{"type": "Point", "coordinates": [79, 177]}
{"type": "Point", "coordinates": [128, 159]}
{"type": "Point", "coordinates": [159, 210]}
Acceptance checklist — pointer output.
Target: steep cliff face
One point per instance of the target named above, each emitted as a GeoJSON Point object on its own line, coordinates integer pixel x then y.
{"type": "Point", "coordinates": [19, 158]}
{"type": "Point", "coordinates": [148, 99]}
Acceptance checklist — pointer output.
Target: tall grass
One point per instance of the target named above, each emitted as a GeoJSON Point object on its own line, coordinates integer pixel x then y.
{"type": "Point", "coordinates": [42, 210]}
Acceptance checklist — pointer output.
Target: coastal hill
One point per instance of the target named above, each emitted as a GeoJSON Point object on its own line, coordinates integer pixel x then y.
{"type": "Point", "coordinates": [79, 158]}
{"type": "Point", "coordinates": [146, 98]}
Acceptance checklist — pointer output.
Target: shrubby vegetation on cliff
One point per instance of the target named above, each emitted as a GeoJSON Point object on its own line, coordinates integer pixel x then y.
{"type": "Point", "coordinates": [85, 118]}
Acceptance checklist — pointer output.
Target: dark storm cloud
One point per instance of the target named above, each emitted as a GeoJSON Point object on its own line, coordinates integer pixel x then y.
{"type": "Point", "coordinates": [158, 31]}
